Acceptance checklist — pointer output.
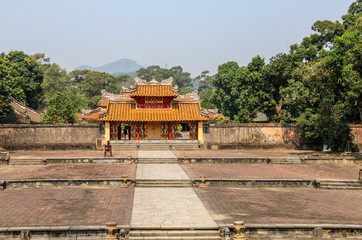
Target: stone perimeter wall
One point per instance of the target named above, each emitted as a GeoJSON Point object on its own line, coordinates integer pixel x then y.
{"type": "Point", "coordinates": [50, 137]}
{"type": "Point", "coordinates": [76, 136]}
{"type": "Point", "coordinates": [265, 135]}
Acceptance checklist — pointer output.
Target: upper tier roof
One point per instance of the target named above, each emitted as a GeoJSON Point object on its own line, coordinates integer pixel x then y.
{"type": "Point", "coordinates": [127, 112]}
{"type": "Point", "coordinates": [153, 88]}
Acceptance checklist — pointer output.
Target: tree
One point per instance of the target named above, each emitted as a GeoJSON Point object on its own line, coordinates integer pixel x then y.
{"type": "Point", "coordinates": [241, 92]}
{"type": "Point", "coordinates": [222, 97]}
{"type": "Point", "coordinates": [31, 75]}
{"type": "Point", "coordinates": [60, 110]}
{"type": "Point", "coordinates": [77, 98]}
{"type": "Point", "coordinates": [353, 13]}
{"type": "Point", "coordinates": [276, 75]}
{"type": "Point", "coordinates": [205, 89]}
{"type": "Point", "coordinates": [180, 78]}
{"type": "Point", "coordinates": [10, 85]}
{"type": "Point", "coordinates": [91, 83]}
{"type": "Point", "coordinates": [54, 80]}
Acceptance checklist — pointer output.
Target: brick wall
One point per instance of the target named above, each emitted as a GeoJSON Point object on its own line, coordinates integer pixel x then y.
{"type": "Point", "coordinates": [44, 136]}
{"type": "Point", "coordinates": [265, 135]}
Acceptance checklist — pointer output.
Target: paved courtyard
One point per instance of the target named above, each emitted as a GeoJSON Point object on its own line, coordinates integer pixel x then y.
{"type": "Point", "coordinates": [67, 171]}
{"type": "Point", "coordinates": [273, 171]}
{"type": "Point", "coordinates": [282, 205]}
{"type": "Point", "coordinates": [65, 206]}
{"type": "Point", "coordinates": [177, 207]}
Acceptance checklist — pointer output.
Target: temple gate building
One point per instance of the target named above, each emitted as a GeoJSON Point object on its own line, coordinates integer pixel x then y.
{"type": "Point", "coordinates": [151, 111]}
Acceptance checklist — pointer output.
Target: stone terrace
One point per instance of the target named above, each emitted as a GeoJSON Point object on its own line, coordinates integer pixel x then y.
{"type": "Point", "coordinates": [280, 205]}
{"type": "Point", "coordinates": [65, 207]}
{"type": "Point", "coordinates": [273, 171]}
{"type": "Point", "coordinates": [67, 171]}
{"type": "Point", "coordinates": [244, 153]}
{"type": "Point", "coordinates": [68, 153]}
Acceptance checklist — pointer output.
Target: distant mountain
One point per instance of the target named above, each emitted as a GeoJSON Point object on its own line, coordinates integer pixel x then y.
{"type": "Point", "coordinates": [123, 65]}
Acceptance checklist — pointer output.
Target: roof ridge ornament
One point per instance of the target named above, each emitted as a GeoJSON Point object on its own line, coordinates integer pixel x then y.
{"type": "Point", "coordinates": [139, 80]}
{"type": "Point", "coordinates": [168, 80]}
{"type": "Point", "coordinates": [109, 95]}
{"type": "Point", "coordinates": [153, 80]}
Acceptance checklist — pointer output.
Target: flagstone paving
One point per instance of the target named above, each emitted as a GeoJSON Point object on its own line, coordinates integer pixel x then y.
{"type": "Point", "coordinates": [167, 207]}
{"type": "Point", "coordinates": [72, 206]}
{"type": "Point", "coordinates": [156, 154]}
{"type": "Point", "coordinates": [160, 171]}
{"type": "Point", "coordinates": [67, 171]}
{"type": "Point", "coordinates": [283, 205]}
{"type": "Point", "coordinates": [273, 171]}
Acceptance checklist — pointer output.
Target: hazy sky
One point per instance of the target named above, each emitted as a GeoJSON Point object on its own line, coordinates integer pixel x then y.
{"type": "Point", "coordinates": [195, 34]}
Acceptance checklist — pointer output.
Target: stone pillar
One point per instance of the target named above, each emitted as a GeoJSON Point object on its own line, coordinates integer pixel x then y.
{"type": "Point", "coordinates": [107, 131]}
{"type": "Point", "coordinates": [200, 132]}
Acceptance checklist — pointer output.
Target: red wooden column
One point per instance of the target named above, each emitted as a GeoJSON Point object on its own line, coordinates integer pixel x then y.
{"type": "Point", "coordinates": [138, 130]}
{"type": "Point", "coordinates": [169, 131]}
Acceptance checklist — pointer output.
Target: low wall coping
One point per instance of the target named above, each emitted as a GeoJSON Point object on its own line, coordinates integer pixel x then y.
{"type": "Point", "coordinates": [59, 228]}
{"type": "Point", "coordinates": [297, 225]}
{"type": "Point", "coordinates": [87, 125]}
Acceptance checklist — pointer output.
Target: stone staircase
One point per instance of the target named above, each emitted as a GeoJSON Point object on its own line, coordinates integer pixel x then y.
{"type": "Point", "coordinates": [15, 161]}
{"type": "Point", "coordinates": [285, 161]}
{"type": "Point", "coordinates": [339, 184]}
{"type": "Point", "coordinates": [177, 183]}
{"type": "Point", "coordinates": [186, 146]}
{"type": "Point", "coordinates": [124, 145]}
{"type": "Point", "coordinates": [212, 234]}
{"type": "Point", "coordinates": [157, 161]}
{"type": "Point", "coordinates": [155, 145]}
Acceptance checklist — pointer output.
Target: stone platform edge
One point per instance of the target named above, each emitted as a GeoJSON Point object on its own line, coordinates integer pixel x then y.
{"type": "Point", "coordinates": [272, 160]}
{"type": "Point", "coordinates": [130, 182]}
{"type": "Point", "coordinates": [38, 183]}
{"type": "Point", "coordinates": [182, 160]}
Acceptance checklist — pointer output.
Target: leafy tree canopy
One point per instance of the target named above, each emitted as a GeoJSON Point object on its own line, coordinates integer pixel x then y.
{"type": "Point", "coordinates": [91, 83]}
{"type": "Point", "coordinates": [29, 75]}
{"type": "Point", "coordinates": [180, 78]}
{"type": "Point", "coordinates": [60, 110]}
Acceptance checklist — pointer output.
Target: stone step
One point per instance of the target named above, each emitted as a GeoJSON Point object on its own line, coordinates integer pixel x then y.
{"type": "Point", "coordinates": [341, 187]}
{"type": "Point", "coordinates": [26, 161]}
{"type": "Point", "coordinates": [154, 147]}
{"type": "Point", "coordinates": [122, 147]}
{"type": "Point", "coordinates": [157, 160]}
{"type": "Point", "coordinates": [343, 184]}
{"type": "Point", "coordinates": [163, 183]}
{"type": "Point", "coordinates": [285, 161]}
{"type": "Point", "coordinates": [174, 235]}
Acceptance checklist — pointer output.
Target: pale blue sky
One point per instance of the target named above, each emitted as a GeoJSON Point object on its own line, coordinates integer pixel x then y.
{"type": "Point", "coordinates": [195, 34]}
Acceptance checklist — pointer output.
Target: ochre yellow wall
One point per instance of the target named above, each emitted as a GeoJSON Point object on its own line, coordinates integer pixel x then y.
{"type": "Point", "coordinates": [201, 133]}
{"type": "Point", "coordinates": [107, 131]}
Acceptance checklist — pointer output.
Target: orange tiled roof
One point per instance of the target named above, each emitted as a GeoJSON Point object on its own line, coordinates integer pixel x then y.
{"type": "Point", "coordinates": [94, 115]}
{"type": "Point", "coordinates": [154, 91]}
{"type": "Point", "coordinates": [80, 116]}
{"type": "Point", "coordinates": [104, 103]}
{"type": "Point", "coordinates": [127, 112]}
